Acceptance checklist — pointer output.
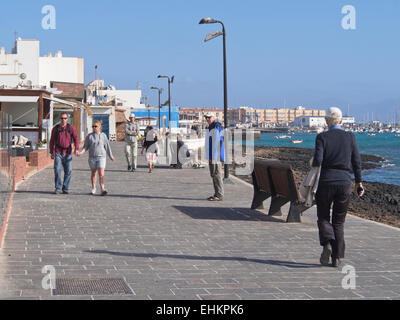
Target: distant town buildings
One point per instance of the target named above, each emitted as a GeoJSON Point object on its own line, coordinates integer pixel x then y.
{"type": "Point", "coordinates": [319, 122]}
{"type": "Point", "coordinates": [197, 115]}
{"type": "Point", "coordinates": [253, 117]}
{"type": "Point", "coordinates": [309, 122]}
{"type": "Point", "coordinates": [267, 117]}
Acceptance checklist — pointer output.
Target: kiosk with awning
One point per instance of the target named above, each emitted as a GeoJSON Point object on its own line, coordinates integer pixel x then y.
{"type": "Point", "coordinates": [32, 111]}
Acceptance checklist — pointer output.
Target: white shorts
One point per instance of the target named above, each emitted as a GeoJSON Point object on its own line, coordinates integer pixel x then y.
{"type": "Point", "coordinates": [151, 157]}
{"type": "Point", "coordinates": [97, 163]}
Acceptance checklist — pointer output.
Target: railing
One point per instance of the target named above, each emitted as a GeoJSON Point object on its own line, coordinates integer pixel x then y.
{"type": "Point", "coordinates": [6, 170]}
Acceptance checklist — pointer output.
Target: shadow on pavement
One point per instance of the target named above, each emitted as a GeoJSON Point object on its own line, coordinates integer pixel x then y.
{"type": "Point", "coordinates": [134, 196]}
{"type": "Point", "coordinates": [87, 194]}
{"type": "Point", "coordinates": [221, 213]}
{"type": "Point", "coordinates": [35, 192]}
{"type": "Point", "coordinates": [289, 264]}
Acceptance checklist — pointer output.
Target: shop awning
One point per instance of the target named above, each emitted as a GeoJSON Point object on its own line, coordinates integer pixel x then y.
{"type": "Point", "coordinates": [60, 101]}
{"type": "Point", "coordinates": [20, 99]}
{"type": "Point", "coordinates": [72, 104]}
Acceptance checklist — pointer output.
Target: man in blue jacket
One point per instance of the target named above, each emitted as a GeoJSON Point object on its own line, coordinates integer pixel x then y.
{"type": "Point", "coordinates": [215, 154]}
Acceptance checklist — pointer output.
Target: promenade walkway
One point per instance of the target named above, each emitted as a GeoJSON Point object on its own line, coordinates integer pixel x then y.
{"type": "Point", "coordinates": [158, 234]}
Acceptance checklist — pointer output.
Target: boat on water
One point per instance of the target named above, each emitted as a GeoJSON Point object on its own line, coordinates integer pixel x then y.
{"type": "Point", "coordinates": [296, 141]}
{"type": "Point", "coordinates": [316, 130]}
{"type": "Point", "coordinates": [283, 137]}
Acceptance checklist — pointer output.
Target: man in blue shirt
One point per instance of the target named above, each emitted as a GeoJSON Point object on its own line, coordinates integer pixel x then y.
{"type": "Point", "coordinates": [336, 152]}
{"type": "Point", "coordinates": [215, 154]}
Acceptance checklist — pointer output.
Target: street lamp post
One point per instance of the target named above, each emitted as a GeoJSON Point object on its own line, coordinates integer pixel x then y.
{"type": "Point", "coordinates": [209, 37]}
{"type": "Point", "coordinates": [170, 80]}
{"type": "Point", "coordinates": [160, 91]}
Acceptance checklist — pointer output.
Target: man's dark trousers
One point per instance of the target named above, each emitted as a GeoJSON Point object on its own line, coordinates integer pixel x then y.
{"type": "Point", "coordinates": [333, 232]}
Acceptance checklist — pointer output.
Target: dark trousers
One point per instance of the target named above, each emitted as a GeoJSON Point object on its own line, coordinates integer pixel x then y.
{"type": "Point", "coordinates": [339, 196]}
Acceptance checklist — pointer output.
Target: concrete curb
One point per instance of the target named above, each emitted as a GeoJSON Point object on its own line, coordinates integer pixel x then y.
{"type": "Point", "coordinates": [31, 174]}
{"type": "Point", "coordinates": [5, 222]}
{"type": "Point", "coordinates": [3, 229]}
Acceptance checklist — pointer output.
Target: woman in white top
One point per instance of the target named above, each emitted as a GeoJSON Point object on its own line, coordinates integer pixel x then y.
{"type": "Point", "coordinates": [99, 147]}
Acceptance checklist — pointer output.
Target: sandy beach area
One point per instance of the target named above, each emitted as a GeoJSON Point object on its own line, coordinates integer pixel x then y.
{"type": "Point", "coordinates": [380, 203]}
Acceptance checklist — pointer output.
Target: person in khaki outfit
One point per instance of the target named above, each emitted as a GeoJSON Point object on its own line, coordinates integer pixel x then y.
{"type": "Point", "coordinates": [131, 139]}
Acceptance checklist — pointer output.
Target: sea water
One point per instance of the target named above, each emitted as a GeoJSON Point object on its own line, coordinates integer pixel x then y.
{"type": "Point", "coordinates": [386, 145]}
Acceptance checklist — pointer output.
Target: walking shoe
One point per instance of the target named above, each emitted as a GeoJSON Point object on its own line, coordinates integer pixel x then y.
{"type": "Point", "coordinates": [65, 192]}
{"type": "Point", "coordinates": [215, 198]}
{"type": "Point", "coordinates": [336, 262]}
{"type": "Point", "coordinates": [129, 168]}
{"type": "Point", "coordinates": [133, 170]}
{"type": "Point", "coordinates": [326, 254]}
{"type": "Point", "coordinates": [104, 192]}
{"type": "Point", "coordinates": [57, 192]}
{"type": "Point", "coordinates": [93, 191]}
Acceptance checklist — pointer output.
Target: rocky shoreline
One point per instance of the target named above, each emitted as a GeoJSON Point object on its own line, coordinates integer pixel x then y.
{"type": "Point", "coordinates": [381, 201]}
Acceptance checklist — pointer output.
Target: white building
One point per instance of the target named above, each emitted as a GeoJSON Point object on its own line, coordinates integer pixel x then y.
{"type": "Point", "coordinates": [97, 92]}
{"type": "Point", "coordinates": [309, 122]}
{"type": "Point", "coordinates": [25, 66]}
{"type": "Point", "coordinates": [25, 69]}
{"type": "Point", "coordinates": [348, 120]}
{"type": "Point", "coordinates": [103, 99]}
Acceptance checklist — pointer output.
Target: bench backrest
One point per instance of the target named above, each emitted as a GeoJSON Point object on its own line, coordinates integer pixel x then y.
{"type": "Point", "coordinates": [277, 178]}
{"type": "Point", "coordinates": [283, 182]}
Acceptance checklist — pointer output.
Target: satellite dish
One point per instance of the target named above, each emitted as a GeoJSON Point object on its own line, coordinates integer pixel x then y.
{"type": "Point", "coordinates": [22, 76]}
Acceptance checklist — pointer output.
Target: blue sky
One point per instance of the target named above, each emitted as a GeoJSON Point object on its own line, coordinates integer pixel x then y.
{"type": "Point", "coordinates": [278, 50]}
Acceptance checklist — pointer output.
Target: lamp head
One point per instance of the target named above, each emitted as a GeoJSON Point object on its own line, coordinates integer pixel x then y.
{"type": "Point", "coordinates": [161, 76]}
{"type": "Point", "coordinates": [207, 20]}
{"type": "Point", "coordinates": [213, 35]}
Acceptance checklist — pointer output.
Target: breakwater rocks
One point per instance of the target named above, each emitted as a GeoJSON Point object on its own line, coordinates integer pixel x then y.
{"type": "Point", "coordinates": [381, 201]}
{"type": "Point", "coordinates": [299, 158]}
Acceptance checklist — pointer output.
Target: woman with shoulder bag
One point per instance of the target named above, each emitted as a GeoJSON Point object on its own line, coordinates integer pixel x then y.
{"type": "Point", "coordinates": [151, 146]}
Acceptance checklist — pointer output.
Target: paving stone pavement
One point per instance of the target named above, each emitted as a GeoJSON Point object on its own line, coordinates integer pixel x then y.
{"type": "Point", "coordinates": [157, 232]}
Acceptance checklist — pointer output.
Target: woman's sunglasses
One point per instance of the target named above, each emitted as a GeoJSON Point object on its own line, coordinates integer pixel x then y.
{"type": "Point", "coordinates": [95, 127]}
{"type": "Point", "coordinates": [64, 118]}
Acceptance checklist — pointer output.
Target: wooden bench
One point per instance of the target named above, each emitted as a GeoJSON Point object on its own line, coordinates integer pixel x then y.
{"type": "Point", "coordinates": [272, 178]}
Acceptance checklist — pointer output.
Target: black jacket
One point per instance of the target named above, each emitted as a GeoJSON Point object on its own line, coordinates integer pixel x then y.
{"type": "Point", "coordinates": [336, 151]}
